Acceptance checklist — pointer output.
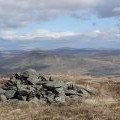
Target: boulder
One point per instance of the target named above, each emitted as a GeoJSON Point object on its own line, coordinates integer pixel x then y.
{"type": "Point", "coordinates": [60, 99]}
{"type": "Point", "coordinates": [39, 94]}
{"type": "Point", "coordinates": [25, 90]}
{"type": "Point", "coordinates": [33, 81]}
{"type": "Point", "coordinates": [10, 94]}
{"type": "Point", "coordinates": [59, 91]}
{"type": "Point", "coordinates": [3, 98]}
{"type": "Point", "coordinates": [53, 84]}
{"type": "Point", "coordinates": [91, 90]}
{"type": "Point", "coordinates": [37, 87]}
{"type": "Point", "coordinates": [84, 93]}
{"type": "Point", "coordinates": [2, 91]}
{"type": "Point", "coordinates": [31, 96]}
{"type": "Point", "coordinates": [50, 98]}
{"type": "Point", "coordinates": [20, 97]}
{"type": "Point", "coordinates": [71, 92]}
{"type": "Point", "coordinates": [30, 73]}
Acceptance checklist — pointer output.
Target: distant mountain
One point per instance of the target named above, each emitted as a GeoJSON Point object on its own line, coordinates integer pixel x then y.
{"type": "Point", "coordinates": [62, 61]}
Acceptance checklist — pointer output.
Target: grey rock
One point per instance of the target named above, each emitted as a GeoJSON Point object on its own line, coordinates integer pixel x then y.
{"type": "Point", "coordinates": [42, 82]}
{"type": "Point", "coordinates": [71, 92]}
{"type": "Point", "coordinates": [6, 87]}
{"type": "Point", "coordinates": [50, 98]}
{"type": "Point", "coordinates": [37, 87]}
{"type": "Point", "coordinates": [13, 88]}
{"type": "Point", "coordinates": [2, 91]}
{"type": "Point", "coordinates": [33, 81]}
{"type": "Point", "coordinates": [31, 96]}
{"type": "Point", "coordinates": [41, 78]}
{"type": "Point", "coordinates": [50, 79]}
{"type": "Point", "coordinates": [25, 90]}
{"type": "Point", "coordinates": [30, 73]}
{"type": "Point", "coordinates": [39, 94]}
{"type": "Point", "coordinates": [13, 101]}
{"type": "Point", "coordinates": [20, 97]}
{"type": "Point", "coordinates": [17, 75]}
{"type": "Point", "coordinates": [60, 92]}
{"type": "Point", "coordinates": [10, 94]}
{"type": "Point", "coordinates": [84, 93]}
{"type": "Point", "coordinates": [70, 85]}
{"type": "Point", "coordinates": [35, 99]}
{"type": "Point", "coordinates": [10, 83]}
{"type": "Point", "coordinates": [60, 99]}
{"type": "Point", "coordinates": [44, 99]}
{"type": "Point", "coordinates": [3, 98]}
{"type": "Point", "coordinates": [43, 91]}
{"type": "Point", "coordinates": [91, 91]}
{"type": "Point", "coordinates": [54, 84]}
{"type": "Point", "coordinates": [30, 86]}
{"type": "Point", "coordinates": [13, 79]}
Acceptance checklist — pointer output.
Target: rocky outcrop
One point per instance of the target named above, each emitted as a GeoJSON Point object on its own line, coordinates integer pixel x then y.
{"type": "Point", "coordinates": [30, 85]}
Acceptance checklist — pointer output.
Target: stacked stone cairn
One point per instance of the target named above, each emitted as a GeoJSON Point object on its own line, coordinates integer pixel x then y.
{"type": "Point", "coordinates": [30, 85]}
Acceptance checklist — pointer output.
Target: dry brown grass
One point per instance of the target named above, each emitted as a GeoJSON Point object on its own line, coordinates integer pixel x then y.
{"type": "Point", "coordinates": [3, 80]}
{"type": "Point", "coordinates": [106, 106]}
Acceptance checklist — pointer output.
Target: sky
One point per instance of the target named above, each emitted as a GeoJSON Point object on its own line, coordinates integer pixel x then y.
{"type": "Point", "coordinates": [51, 24]}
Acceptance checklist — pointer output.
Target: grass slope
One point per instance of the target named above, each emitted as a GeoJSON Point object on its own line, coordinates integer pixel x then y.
{"type": "Point", "coordinates": [106, 106]}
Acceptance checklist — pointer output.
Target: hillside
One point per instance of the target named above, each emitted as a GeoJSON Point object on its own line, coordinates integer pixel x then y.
{"type": "Point", "coordinates": [74, 64]}
{"type": "Point", "coordinates": [105, 106]}
{"type": "Point", "coordinates": [64, 60]}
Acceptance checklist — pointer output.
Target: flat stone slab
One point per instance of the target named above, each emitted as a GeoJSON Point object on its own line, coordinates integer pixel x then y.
{"type": "Point", "coordinates": [54, 84]}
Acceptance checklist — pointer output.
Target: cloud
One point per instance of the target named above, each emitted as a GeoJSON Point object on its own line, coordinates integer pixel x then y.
{"type": "Point", "coordinates": [46, 39]}
{"type": "Point", "coordinates": [17, 13]}
{"type": "Point", "coordinates": [108, 8]}
{"type": "Point", "coordinates": [38, 34]}
{"type": "Point", "coordinates": [102, 9]}
{"type": "Point", "coordinates": [112, 34]}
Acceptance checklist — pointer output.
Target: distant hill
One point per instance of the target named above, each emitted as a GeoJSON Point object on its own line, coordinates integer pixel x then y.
{"type": "Point", "coordinates": [62, 61]}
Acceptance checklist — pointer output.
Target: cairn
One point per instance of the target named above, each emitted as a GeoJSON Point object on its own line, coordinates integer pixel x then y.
{"type": "Point", "coordinates": [30, 85]}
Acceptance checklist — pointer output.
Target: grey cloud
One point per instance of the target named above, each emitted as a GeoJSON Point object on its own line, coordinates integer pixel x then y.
{"type": "Point", "coordinates": [17, 13]}
{"type": "Point", "coordinates": [14, 13]}
{"type": "Point", "coordinates": [108, 8]}
{"type": "Point", "coordinates": [90, 39]}
{"type": "Point", "coordinates": [112, 34]}
{"type": "Point", "coordinates": [103, 9]}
